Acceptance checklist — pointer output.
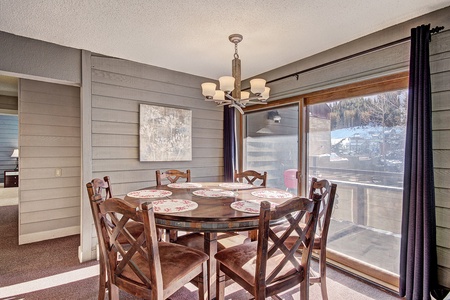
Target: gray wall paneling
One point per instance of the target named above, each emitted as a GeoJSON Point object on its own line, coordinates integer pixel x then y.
{"type": "Point", "coordinates": [49, 205]}
{"type": "Point", "coordinates": [117, 88]}
{"type": "Point", "coordinates": [440, 84]}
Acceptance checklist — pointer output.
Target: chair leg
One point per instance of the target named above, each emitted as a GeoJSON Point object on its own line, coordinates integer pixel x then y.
{"type": "Point", "coordinates": [323, 273]}
{"type": "Point", "coordinates": [304, 290]}
{"type": "Point", "coordinates": [173, 234]}
{"type": "Point", "coordinates": [220, 283]}
{"type": "Point", "coordinates": [102, 279]}
{"type": "Point", "coordinates": [202, 283]}
{"type": "Point", "coordinates": [253, 235]}
{"type": "Point", "coordinates": [113, 293]}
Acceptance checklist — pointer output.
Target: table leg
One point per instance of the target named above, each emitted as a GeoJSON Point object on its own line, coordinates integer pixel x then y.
{"type": "Point", "coordinates": [211, 250]}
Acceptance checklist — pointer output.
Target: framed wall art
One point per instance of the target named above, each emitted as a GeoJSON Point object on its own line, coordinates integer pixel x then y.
{"type": "Point", "coordinates": [165, 133]}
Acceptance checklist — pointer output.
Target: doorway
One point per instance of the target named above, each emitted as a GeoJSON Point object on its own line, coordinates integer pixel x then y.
{"type": "Point", "coordinates": [9, 140]}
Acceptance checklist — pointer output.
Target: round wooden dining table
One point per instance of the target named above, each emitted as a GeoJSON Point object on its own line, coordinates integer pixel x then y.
{"type": "Point", "coordinates": [213, 207]}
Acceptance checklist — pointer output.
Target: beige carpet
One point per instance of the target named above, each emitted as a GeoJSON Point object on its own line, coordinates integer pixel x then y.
{"type": "Point", "coordinates": [9, 196]}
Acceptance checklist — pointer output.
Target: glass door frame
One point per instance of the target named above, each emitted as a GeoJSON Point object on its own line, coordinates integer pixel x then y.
{"type": "Point", "coordinates": [365, 87]}
{"type": "Point", "coordinates": [301, 184]}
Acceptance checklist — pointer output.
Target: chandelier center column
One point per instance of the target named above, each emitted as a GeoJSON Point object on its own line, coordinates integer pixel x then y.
{"type": "Point", "coordinates": [236, 73]}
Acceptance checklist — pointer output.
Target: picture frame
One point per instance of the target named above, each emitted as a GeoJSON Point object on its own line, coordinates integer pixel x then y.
{"type": "Point", "coordinates": [165, 133]}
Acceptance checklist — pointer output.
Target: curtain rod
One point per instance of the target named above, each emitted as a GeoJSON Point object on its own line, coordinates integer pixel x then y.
{"type": "Point", "coordinates": [399, 41]}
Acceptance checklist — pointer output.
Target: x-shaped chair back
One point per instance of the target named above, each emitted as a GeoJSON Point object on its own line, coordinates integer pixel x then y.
{"type": "Point", "coordinates": [172, 176]}
{"type": "Point", "coordinates": [125, 260]}
{"type": "Point", "coordinates": [277, 267]}
{"type": "Point", "coordinates": [251, 177]}
{"type": "Point", "coordinates": [326, 192]}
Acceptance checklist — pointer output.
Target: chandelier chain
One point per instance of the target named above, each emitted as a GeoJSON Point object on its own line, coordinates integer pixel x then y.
{"type": "Point", "coordinates": [236, 55]}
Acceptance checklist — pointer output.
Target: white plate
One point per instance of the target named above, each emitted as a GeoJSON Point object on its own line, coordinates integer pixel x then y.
{"type": "Point", "coordinates": [149, 194]}
{"type": "Point", "coordinates": [272, 194]}
{"type": "Point", "coordinates": [173, 205]}
{"type": "Point", "coordinates": [215, 193]}
{"type": "Point", "coordinates": [184, 185]}
{"type": "Point", "coordinates": [236, 185]}
{"type": "Point", "coordinates": [250, 206]}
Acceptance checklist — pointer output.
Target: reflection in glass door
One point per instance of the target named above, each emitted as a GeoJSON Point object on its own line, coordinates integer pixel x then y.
{"type": "Point", "coordinates": [271, 145]}
{"type": "Point", "coordinates": [359, 144]}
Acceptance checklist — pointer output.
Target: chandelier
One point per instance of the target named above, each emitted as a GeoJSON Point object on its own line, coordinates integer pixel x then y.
{"type": "Point", "coordinates": [229, 92]}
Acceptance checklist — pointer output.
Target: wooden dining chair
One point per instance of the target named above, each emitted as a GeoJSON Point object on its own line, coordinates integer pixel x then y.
{"type": "Point", "coordinates": [267, 266]}
{"type": "Point", "coordinates": [143, 266]}
{"type": "Point", "coordinates": [324, 191]}
{"type": "Point", "coordinates": [251, 177]}
{"type": "Point", "coordinates": [172, 176]}
{"type": "Point", "coordinates": [101, 187]}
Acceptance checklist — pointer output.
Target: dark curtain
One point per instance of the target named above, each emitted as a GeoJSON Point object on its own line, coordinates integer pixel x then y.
{"type": "Point", "coordinates": [418, 259]}
{"type": "Point", "coordinates": [229, 143]}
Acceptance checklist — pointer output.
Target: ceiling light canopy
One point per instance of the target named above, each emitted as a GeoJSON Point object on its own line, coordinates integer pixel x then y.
{"type": "Point", "coordinates": [229, 92]}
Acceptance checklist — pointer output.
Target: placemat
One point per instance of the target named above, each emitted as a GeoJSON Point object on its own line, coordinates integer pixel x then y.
{"type": "Point", "coordinates": [184, 185]}
{"type": "Point", "coordinates": [236, 185]}
{"type": "Point", "coordinates": [149, 194]}
{"type": "Point", "coordinates": [249, 206]}
{"type": "Point", "coordinates": [272, 194]}
{"type": "Point", "coordinates": [173, 205]}
{"type": "Point", "coordinates": [214, 193]}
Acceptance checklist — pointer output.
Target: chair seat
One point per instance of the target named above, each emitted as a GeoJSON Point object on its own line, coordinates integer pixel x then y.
{"type": "Point", "coordinates": [176, 262]}
{"type": "Point", "coordinates": [241, 260]}
{"type": "Point", "coordinates": [197, 240]}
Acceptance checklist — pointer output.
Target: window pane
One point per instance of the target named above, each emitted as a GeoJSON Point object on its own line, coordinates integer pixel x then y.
{"type": "Point", "coordinates": [271, 144]}
{"type": "Point", "coordinates": [358, 143]}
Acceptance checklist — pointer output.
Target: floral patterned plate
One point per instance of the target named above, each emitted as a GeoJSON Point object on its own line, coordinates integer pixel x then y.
{"type": "Point", "coordinates": [149, 194]}
{"type": "Point", "coordinates": [184, 185]}
{"type": "Point", "coordinates": [216, 193]}
{"type": "Point", "coordinates": [173, 205]}
{"type": "Point", "coordinates": [236, 185]}
{"type": "Point", "coordinates": [272, 194]}
{"type": "Point", "coordinates": [249, 206]}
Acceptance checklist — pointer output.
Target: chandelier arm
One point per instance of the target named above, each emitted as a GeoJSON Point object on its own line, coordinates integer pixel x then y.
{"type": "Point", "coordinates": [229, 97]}
{"type": "Point", "coordinates": [237, 107]}
{"type": "Point", "coordinates": [223, 103]}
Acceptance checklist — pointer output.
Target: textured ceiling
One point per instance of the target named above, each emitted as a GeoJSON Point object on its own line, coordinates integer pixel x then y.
{"type": "Point", "coordinates": [192, 36]}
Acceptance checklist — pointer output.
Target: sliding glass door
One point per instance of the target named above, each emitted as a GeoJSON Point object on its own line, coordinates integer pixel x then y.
{"type": "Point", "coordinates": [354, 136]}
{"type": "Point", "coordinates": [358, 143]}
{"type": "Point", "coordinates": [271, 145]}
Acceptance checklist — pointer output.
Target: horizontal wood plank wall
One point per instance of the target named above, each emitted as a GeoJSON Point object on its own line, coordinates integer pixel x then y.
{"type": "Point", "coordinates": [9, 137]}
{"type": "Point", "coordinates": [118, 87]}
{"type": "Point", "coordinates": [440, 86]}
{"type": "Point", "coordinates": [49, 123]}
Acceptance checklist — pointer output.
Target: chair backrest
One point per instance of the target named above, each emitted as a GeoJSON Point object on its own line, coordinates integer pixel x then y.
{"type": "Point", "coordinates": [172, 176]}
{"type": "Point", "coordinates": [277, 267]}
{"type": "Point", "coordinates": [133, 265]}
{"type": "Point", "coordinates": [102, 187]}
{"type": "Point", "coordinates": [326, 192]}
{"type": "Point", "coordinates": [251, 177]}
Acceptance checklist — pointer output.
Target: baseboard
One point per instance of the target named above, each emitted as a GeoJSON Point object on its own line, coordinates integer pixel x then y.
{"type": "Point", "coordinates": [48, 235]}
{"type": "Point", "coordinates": [94, 254]}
